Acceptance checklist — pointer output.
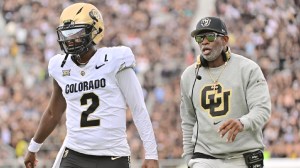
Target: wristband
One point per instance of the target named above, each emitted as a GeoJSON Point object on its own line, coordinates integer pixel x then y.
{"type": "Point", "coordinates": [34, 147]}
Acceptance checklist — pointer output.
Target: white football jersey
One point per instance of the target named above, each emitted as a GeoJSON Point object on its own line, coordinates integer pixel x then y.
{"type": "Point", "coordinates": [96, 107]}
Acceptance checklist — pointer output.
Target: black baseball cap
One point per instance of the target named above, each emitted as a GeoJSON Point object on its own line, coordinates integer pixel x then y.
{"type": "Point", "coordinates": [208, 24]}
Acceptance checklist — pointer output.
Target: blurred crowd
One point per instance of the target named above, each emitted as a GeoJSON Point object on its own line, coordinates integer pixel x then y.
{"type": "Point", "coordinates": [266, 31]}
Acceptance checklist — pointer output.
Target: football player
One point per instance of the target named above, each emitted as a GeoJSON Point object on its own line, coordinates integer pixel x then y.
{"type": "Point", "coordinates": [94, 87]}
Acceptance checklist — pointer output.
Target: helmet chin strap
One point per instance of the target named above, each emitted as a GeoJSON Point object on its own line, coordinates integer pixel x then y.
{"type": "Point", "coordinates": [64, 61]}
{"type": "Point", "coordinates": [78, 57]}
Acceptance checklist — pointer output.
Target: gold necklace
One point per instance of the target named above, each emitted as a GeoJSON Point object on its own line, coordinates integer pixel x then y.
{"type": "Point", "coordinates": [215, 81]}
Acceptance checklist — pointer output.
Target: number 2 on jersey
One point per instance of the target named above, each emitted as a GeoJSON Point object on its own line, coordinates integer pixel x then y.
{"type": "Point", "coordinates": [84, 122]}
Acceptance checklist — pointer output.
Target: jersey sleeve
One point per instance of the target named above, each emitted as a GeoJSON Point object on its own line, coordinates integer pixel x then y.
{"type": "Point", "coordinates": [54, 62]}
{"type": "Point", "coordinates": [51, 65]}
{"type": "Point", "coordinates": [133, 93]}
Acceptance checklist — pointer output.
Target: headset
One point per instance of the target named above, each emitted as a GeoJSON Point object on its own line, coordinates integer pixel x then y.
{"type": "Point", "coordinates": [201, 61]}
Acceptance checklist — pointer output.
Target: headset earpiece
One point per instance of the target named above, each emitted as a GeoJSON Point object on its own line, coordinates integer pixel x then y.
{"type": "Point", "coordinates": [228, 53]}
{"type": "Point", "coordinates": [198, 64]}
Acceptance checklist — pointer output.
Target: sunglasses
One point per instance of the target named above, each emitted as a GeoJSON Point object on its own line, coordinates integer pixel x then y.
{"type": "Point", "coordinates": [211, 37]}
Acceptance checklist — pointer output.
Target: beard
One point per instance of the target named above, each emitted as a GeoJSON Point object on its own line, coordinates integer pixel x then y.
{"type": "Point", "coordinates": [214, 54]}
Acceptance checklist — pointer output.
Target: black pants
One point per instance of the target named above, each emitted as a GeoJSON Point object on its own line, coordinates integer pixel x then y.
{"type": "Point", "coordinates": [73, 159]}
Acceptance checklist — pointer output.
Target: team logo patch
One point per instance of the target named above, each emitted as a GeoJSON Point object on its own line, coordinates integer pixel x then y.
{"type": "Point", "coordinates": [66, 72]}
{"type": "Point", "coordinates": [215, 100]}
{"type": "Point", "coordinates": [82, 73]}
{"type": "Point", "coordinates": [95, 15]}
{"type": "Point", "coordinates": [205, 22]}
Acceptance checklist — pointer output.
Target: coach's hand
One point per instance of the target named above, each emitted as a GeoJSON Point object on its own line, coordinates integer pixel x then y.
{"type": "Point", "coordinates": [149, 163]}
{"type": "Point", "coordinates": [232, 127]}
{"type": "Point", "coordinates": [30, 160]}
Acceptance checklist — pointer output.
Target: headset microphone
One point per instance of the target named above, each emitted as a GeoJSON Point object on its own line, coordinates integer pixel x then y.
{"type": "Point", "coordinates": [197, 77]}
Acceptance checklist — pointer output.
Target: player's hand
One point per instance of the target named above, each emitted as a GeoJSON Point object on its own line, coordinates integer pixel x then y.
{"type": "Point", "coordinates": [232, 127]}
{"type": "Point", "coordinates": [149, 163]}
{"type": "Point", "coordinates": [30, 160]}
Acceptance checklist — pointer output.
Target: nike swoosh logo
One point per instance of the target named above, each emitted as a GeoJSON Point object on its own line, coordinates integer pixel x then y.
{"type": "Point", "coordinates": [114, 158]}
{"type": "Point", "coordinates": [217, 122]}
{"type": "Point", "coordinates": [97, 67]}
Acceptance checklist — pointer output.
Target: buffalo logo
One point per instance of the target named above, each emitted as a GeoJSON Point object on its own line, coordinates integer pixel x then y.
{"type": "Point", "coordinates": [215, 100]}
{"type": "Point", "coordinates": [205, 22]}
{"type": "Point", "coordinates": [95, 15]}
{"type": "Point", "coordinates": [66, 72]}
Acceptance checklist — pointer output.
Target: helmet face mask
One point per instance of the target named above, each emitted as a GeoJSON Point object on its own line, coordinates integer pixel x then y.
{"type": "Point", "coordinates": [81, 26]}
{"type": "Point", "coordinates": [75, 39]}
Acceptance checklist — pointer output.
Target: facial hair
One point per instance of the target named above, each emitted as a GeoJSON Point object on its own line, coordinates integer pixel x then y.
{"type": "Point", "coordinates": [215, 53]}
